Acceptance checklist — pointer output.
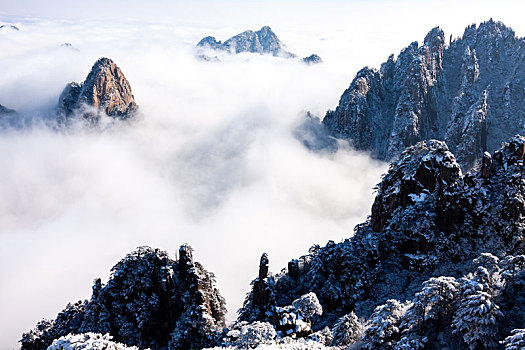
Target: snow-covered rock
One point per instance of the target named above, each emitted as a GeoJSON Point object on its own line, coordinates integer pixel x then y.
{"type": "Point", "coordinates": [150, 301]}
{"type": "Point", "coordinates": [469, 93]}
{"type": "Point", "coordinates": [429, 219]}
{"type": "Point", "coordinates": [263, 42]}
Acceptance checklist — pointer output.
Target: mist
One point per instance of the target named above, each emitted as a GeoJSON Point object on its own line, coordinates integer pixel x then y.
{"type": "Point", "coordinates": [212, 161]}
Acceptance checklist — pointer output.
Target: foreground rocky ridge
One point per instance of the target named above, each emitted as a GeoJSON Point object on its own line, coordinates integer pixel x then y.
{"type": "Point", "coordinates": [439, 264]}
{"type": "Point", "coordinates": [106, 91]}
{"type": "Point", "coordinates": [150, 301]}
{"type": "Point", "coordinates": [469, 93]}
{"type": "Point", "coordinates": [428, 221]}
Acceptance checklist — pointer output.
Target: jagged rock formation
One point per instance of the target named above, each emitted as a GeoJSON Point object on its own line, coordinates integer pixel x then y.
{"type": "Point", "coordinates": [312, 59]}
{"type": "Point", "coordinates": [105, 91]}
{"type": "Point", "coordinates": [5, 110]}
{"type": "Point", "coordinates": [263, 41]}
{"type": "Point", "coordinates": [469, 93]}
{"type": "Point", "coordinates": [150, 301]}
{"type": "Point", "coordinates": [428, 220]}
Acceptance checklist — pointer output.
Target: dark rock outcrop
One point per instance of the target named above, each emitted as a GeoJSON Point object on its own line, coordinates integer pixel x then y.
{"type": "Point", "coordinates": [428, 220]}
{"type": "Point", "coordinates": [5, 110]}
{"type": "Point", "coordinates": [263, 41]}
{"type": "Point", "coordinates": [105, 91]}
{"type": "Point", "coordinates": [469, 93]}
{"type": "Point", "coordinates": [312, 59]}
{"type": "Point", "coordinates": [150, 301]}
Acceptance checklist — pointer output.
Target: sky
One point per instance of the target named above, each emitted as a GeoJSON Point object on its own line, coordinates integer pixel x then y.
{"type": "Point", "coordinates": [213, 160]}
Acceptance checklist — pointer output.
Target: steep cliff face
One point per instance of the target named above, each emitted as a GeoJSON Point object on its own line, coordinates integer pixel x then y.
{"type": "Point", "coordinates": [428, 220]}
{"type": "Point", "coordinates": [105, 91]}
{"type": "Point", "coordinates": [469, 93]}
{"type": "Point", "coordinates": [150, 301]}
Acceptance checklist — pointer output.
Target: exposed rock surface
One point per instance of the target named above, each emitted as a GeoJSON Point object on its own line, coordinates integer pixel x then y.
{"type": "Point", "coordinates": [5, 110]}
{"type": "Point", "coordinates": [470, 93]}
{"type": "Point", "coordinates": [263, 41]}
{"type": "Point", "coordinates": [428, 220]}
{"type": "Point", "coordinates": [150, 301]}
{"type": "Point", "coordinates": [105, 91]}
{"type": "Point", "coordinates": [312, 59]}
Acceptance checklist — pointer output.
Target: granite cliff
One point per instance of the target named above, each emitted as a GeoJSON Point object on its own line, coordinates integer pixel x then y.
{"type": "Point", "coordinates": [469, 93]}
{"type": "Point", "coordinates": [105, 91]}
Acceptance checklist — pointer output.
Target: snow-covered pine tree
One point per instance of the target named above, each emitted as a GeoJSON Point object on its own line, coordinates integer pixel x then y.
{"type": "Point", "coordinates": [347, 330]}
{"type": "Point", "coordinates": [382, 329]}
{"type": "Point", "coordinates": [516, 340]}
{"type": "Point", "coordinates": [476, 315]}
{"type": "Point", "coordinates": [308, 305]}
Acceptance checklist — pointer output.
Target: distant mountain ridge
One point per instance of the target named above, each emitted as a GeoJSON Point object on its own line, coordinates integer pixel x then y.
{"type": "Point", "coordinates": [263, 41]}
{"type": "Point", "coordinates": [470, 93]}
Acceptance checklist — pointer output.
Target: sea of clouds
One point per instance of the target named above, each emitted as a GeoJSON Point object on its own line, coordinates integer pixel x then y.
{"type": "Point", "coordinates": [212, 162]}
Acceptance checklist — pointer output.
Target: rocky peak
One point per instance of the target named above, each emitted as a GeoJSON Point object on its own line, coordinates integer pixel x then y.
{"type": "Point", "coordinates": [105, 91]}
{"type": "Point", "coordinates": [263, 41]}
{"type": "Point", "coordinates": [429, 219]}
{"type": "Point", "coordinates": [5, 110]}
{"type": "Point", "coordinates": [264, 265]}
{"type": "Point", "coordinates": [469, 93]}
{"type": "Point", "coordinates": [185, 255]}
{"type": "Point", "coordinates": [423, 169]}
{"type": "Point", "coordinates": [312, 59]}
{"type": "Point", "coordinates": [210, 42]}
{"type": "Point", "coordinates": [434, 43]}
{"type": "Point", "coordinates": [147, 302]}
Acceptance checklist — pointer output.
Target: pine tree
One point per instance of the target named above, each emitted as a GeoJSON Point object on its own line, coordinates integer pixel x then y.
{"type": "Point", "coordinates": [347, 330]}
{"type": "Point", "coordinates": [383, 327]}
{"type": "Point", "coordinates": [477, 312]}
{"type": "Point", "coordinates": [515, 341]}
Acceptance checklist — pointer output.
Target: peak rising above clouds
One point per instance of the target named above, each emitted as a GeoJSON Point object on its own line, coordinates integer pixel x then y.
{"type": "Point", "coordinates": [106, 89]}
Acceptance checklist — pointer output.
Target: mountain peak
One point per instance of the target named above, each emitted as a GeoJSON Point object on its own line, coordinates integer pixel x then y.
{"type": "Point", "coordinates": [105, 89]}
{"type": "Point", "coordinates": [468, 93]}
{"type": "Point", "coordinates": [5, 110]}
{"type": "Point", "coordinates": [263, 41]}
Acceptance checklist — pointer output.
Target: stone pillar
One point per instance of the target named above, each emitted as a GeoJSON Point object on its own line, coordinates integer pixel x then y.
{"type": "Point", "coordinates": [264, 266]}
{"type": "Point", "coordinates": [185, 255]}
{"type": "Point", "coordinates": [486, 164]}
{"type": "Point", "coordinates": [293, 268]}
